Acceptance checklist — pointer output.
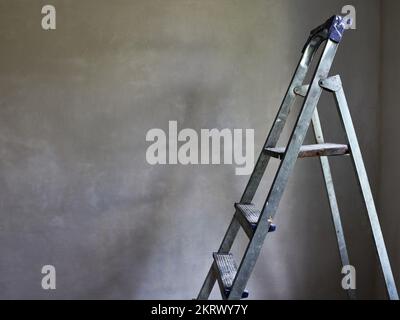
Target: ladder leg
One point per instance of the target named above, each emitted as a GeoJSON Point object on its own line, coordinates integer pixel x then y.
{"type": "Point", "coordinates": [271, 204]}
{"type": "Point", "coordinates": [330, 189]}
{"type": "Point", "coordinates": [365, 189]}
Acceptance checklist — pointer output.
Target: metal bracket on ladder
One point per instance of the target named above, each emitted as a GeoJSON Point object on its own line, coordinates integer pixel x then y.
{"type": "Point", "coordinates": [302, 90]}
{"type": "Point", "coordinates": [332, 84]}
{"type": "Point", "coordinates": [257, 224]}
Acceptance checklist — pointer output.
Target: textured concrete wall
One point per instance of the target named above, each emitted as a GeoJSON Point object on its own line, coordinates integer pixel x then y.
{"type": "Point", "coordinates": [76, 103]}
{"type": "Point", "coordinates": [390, 134]}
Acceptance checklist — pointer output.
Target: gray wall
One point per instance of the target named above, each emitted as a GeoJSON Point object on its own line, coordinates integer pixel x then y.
{"type": "Point", "coordinates": [75, 106]}
{"type": "Point", "coordinates": [390, 133]}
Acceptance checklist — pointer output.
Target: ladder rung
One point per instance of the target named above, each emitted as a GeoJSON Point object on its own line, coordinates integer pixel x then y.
{"type": "Point", "coordinates": [248, 217]}
{"type": "Point", "coordinates": [313, 150]}
{"type": "Point", "coordinates": [226, 272]}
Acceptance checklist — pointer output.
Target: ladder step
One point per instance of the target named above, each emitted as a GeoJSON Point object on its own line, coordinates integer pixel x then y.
{"type": "Point", "coordinates": [313, 150]}
{"type": "Point", "coordinates": [226, 273]}
{"type": "Point", "coordinates": [248, 216]}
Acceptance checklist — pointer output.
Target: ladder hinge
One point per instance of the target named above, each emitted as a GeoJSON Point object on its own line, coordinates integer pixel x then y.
{"type": "Point", "coordinates": [332, 84]}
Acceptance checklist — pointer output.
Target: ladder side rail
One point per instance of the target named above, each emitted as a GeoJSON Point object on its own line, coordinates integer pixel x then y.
{"type": "Point", "coordinates": [280, 120]}
{"type": "Point", "coordinates": [263, 160]}
{"type": "Point", "coordinates": [271, 204]}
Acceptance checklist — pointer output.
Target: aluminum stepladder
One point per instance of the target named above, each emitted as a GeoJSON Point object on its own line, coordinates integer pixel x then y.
{"type": "Point", "coordinates": [257, 224]}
